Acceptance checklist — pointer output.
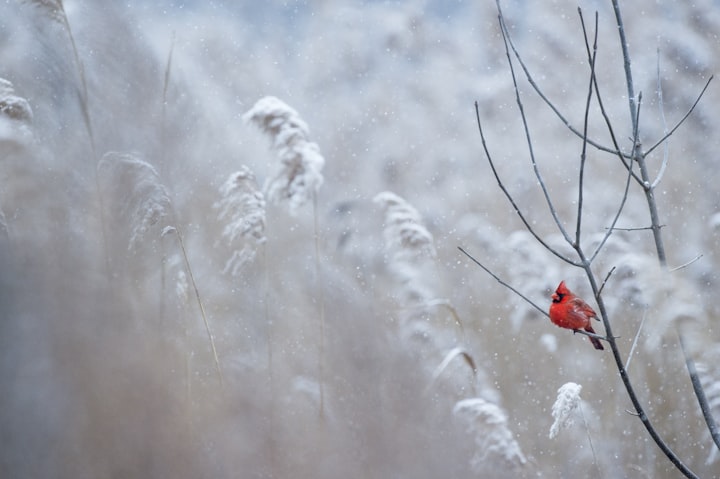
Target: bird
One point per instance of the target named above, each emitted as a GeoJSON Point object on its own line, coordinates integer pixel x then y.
{"type": "Point", "coordinates": [570, 312]}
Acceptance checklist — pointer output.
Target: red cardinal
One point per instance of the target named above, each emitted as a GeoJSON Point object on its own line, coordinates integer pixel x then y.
{"type": "Point", "coordinates": [569, 311]}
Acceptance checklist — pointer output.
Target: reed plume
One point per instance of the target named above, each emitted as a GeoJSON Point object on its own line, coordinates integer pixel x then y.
{"type": "Point", "coordinates": [300, 173]}
{"type": "Point", "coordinates": [135, 193]}
{"type": "Point", "coordinates": [242, 208]}
{"type": "Point", "coordinates": [494, 440]}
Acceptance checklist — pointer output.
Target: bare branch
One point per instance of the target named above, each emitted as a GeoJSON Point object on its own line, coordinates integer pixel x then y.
{"type": "Point", "coordinates": [634, 344]}
{"type": "Point", "coordinates": [497, 278]}
{"type": "Point", "coordinates": [682, 120]}
{"type": "Point", "coordinates": [543, 97]}
{"type": "Point", "coordinates": [659, 247]}
{"type": "Point", "coordinates": [583, 154]}
{"type": "Point", "coordinates": [509, 196]}
{"type": "Point", "coordinates": [700, 392]}
{"type": "Point", "coordinates": [629, 166]}
{"type": "Point", "coordinates": [607, 277]}
{"type": "Point", "coordinates": [642, 228]}
{"type": "Point", "coordinates": [666, 144]}
{"type": "Point", "coordinates": [622, 156]}
{"type": "Point", "coordinates": [561, 228]}
{"type": "Point", "coordinates": [686, 264]}
{"type": "Point", "coordinates": [590, 335]}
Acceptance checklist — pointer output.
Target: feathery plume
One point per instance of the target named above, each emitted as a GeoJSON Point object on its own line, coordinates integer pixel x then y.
{"type": "Point", "coordinates": [407, 243]}
{"type": "Point", "coordinates": [405, 236]}
{"type": "Point", "coordinates": [300, 174]}
{"type": "Point", "coordinates": [53, 8]}
{"type": "Point", "coordinates": [13, 106]}
{"type": "Point", "coordinates": [243, 207]}
{"type": "Point", "coordinates": [134, 188]}
{"type": "Point", "coordinates": [568, 400]}
{"type": "Point", "coordinates": [494, 440]}
{"type": "Point", "coordinates": [15, 115]}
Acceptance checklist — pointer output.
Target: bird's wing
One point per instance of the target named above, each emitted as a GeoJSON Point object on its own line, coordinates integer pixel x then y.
{"type": "Point", "coordinates": [581, 307]}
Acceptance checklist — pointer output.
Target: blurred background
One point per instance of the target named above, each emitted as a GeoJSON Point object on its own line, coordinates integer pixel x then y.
{"type": "Point", "coordinates": [331, 345]}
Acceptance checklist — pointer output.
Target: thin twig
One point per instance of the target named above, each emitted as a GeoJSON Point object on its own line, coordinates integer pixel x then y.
{"type": "Point", "coordinates": [635, 341]}
{"type": "Point", "coordinates": [608, 123]}
{"type": "Point", "coordinates": [661, 107]}
{"type": "Point", "coordinates": [638, 156]}
{"type": "Point", "coordinates": [528, 139]}
{"type": "Point", "coordinates": [682, 120]}
{"type": "Point", "coordinates": [607, 277]}
{"type": "Point", "coordinates": [684, 265]}
{"type": "Point", "coordinates": [700, 392]}
{"type": "Point", "coordinates": [509, 196]}
{"type": "Point", "coordinates": [497, 278]}
{"type": "Point", "coordinates": [642, 228]}
{"type": "Point", "coordinates": [543, 97]}
{"type": "Point", "coordinates": [583, 154]}
{"type": "Point", "coordinates": [589, 334]}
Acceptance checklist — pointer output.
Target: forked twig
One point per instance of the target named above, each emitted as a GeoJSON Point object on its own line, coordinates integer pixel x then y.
{"type": "Point", "coordinates": [583, 154]}
{"type": "Point", "coordinates": [607, 277]}
{"type": "Point", "coordinates": [528, 139]}
{"type": "Point", "coordinates": [611, 131]}
{"type": "Point", "coordinates": [544, 97]}
{"type": "Point", "coordinates": [509, 196]}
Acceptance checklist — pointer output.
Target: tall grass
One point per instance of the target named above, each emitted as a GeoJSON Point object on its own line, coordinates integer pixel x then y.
{"type": "Point", "coordinates": [287, 271]}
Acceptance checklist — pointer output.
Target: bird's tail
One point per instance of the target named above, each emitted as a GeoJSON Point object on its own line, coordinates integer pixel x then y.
{"type": "Point", "coordinates": [595, 341]}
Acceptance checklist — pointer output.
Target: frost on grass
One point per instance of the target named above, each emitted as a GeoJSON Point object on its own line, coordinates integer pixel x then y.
{"type": "Point", "coordinates": [567, 402]}
{"type": "Point", "coordinates": [408, 249]}
{"type": "Point", "coordinates": [133, 193]}
{"type": "Point", "coordinates": [242, 208]}
{"type": "Point", "coordinates": [300, 173]}
{"type": "Point", "coordinates": [15, 115]}
{"type": "Point", "coordinates": [493, 439]}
